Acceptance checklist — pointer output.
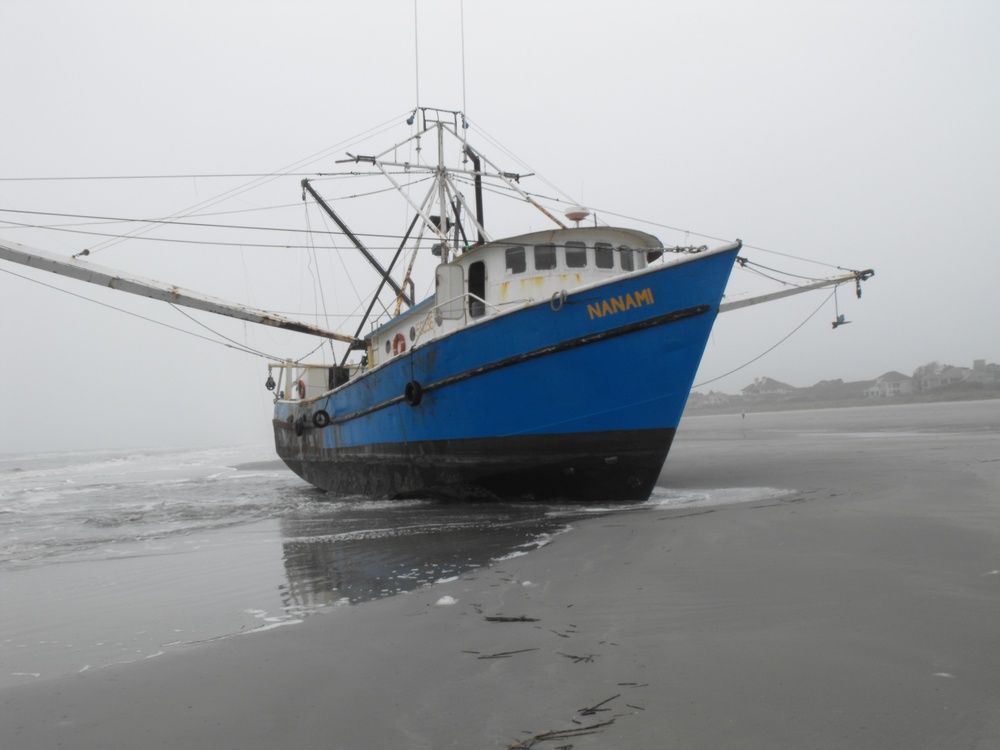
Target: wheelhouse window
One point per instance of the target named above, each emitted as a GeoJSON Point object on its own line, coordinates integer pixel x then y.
{"type": "Point", "coordinates": [604, 255]}
{"type": "Point", "coordinates": [545, 257]}
{"type": "Point", "coordinates": [576, 255]}
{"type": "Point", "coordinates": [477, 289]}
{"type": "Point", "coordinates": [515, 260]}
{"type": "Point", "coordinates": [628, 260]}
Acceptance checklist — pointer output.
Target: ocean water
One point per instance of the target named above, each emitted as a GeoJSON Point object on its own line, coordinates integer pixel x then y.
{"type": "Point", "coordinates": [110, 557]}
{"type": "Point", "coordinates": [66, 507]}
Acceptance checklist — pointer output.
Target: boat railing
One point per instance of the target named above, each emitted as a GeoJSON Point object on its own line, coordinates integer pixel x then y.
{"type": "Point", "coordinates": [437, 313]}
{"type": "Point", "coordinates": [298, 381]}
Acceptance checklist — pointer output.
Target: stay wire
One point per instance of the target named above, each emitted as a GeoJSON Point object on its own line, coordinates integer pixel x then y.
{"type": "Point", "coordinates": [208, 202]}
{"type": "Point", "coordinates": [238, 347]}
{"type": "Point", "coordinates": [236, 344]}
{"type": "Point", "coordinates": [94, 219]}
{"type": "Point", "coordinates": [178, 241]}
{"type": "Point", "coordinates": [755, 266]}
{"type": "Point", "coordinates": [768, 351]}
{"type": "Point", "coordinates": [308, 354]}
{"type": "Point", "coordinates": [317, 285]}
{"type": "Point", "coordinates": [499, 146]}
{"type": "Point", "coordinates": [105, 178]}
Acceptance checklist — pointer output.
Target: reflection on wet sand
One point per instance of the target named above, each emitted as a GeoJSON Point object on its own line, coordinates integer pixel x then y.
{"type": "Point", "coordinates": [370, 550]}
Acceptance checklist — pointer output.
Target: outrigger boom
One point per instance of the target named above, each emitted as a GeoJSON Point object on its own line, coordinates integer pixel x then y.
{"type": "Point", "coordinates": [103, 276]}
{"type": "Point", "coordinates": [735, 303]}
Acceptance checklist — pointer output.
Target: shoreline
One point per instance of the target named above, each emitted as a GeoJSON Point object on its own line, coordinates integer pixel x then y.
{"type": "Point", "coordinates": [762, 405]}
{"type": "Point", "coordinates": [858, 611]}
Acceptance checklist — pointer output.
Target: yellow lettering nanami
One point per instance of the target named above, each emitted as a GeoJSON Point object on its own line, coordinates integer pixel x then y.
{"type": "Point", "coordinates": [615, 305]}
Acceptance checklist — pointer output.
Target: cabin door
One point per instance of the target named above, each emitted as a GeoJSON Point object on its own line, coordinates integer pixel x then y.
{"type": "Point", "coordinates": [477, 289]}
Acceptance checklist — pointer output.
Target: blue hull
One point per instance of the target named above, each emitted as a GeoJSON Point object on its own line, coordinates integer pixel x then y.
{"type": "Point", "coordinates": [577, 399]}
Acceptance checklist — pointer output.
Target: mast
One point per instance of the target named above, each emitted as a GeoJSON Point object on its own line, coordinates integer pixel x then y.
{"type": "Point", "coordinates": [443, 207]}
{"type": "Point", "coordinates": [442, 121]}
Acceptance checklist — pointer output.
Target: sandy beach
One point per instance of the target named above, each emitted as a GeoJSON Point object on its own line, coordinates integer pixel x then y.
{"type": "Point", "coordinates": [857, 607]}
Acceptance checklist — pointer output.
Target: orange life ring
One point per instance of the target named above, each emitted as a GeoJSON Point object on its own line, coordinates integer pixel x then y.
{"type": "Point", "coordinates": [300, 387]}
{"type": "Point", "coordinates": [398, 344]}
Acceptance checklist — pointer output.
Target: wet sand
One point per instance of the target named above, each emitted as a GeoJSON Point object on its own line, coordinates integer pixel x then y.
{"type": "Point", "coordinates": [860, 610]}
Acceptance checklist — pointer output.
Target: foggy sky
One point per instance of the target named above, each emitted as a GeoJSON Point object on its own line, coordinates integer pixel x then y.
{"type": "Point", "coordinates": [859, 134]}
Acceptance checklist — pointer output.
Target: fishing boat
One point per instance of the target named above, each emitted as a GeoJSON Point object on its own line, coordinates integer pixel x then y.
{"type": "Point", "coordinates": [548, 364]}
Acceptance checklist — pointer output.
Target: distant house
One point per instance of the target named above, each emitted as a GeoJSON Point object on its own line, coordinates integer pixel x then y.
{"type": "Point", "coordinates": [984, 373]}
{"type": "Point", "coordinates": [766, 387]}
{"type": "Point", "coordinates": [947, 376]}
{"type": "Point", "coordinates": [715, 399]}
{"type": "Point", "coordinates": [891, 384]}
{"type": "Point", "coordinates": [698, 400]}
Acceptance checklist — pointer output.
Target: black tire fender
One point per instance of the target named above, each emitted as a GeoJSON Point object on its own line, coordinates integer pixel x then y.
{"type": "Point", "coordinates": [413, 393]}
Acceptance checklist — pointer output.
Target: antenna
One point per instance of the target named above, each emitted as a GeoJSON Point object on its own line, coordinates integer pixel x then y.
{"type": "Point", "coordinates": [577, 214]}
{"type": "Point", "coordinates": [416, 53]}
{"type": "Point", "coordinates": [461, 14]}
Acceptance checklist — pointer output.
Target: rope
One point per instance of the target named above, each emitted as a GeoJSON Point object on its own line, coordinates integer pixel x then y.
{"type": "Point", "coordinates": [768, 351]}
{"type": "Point", "coordinates": [208, 202]}
{"type": "Point", "coordinates": [234, 345]}
{"type": "Point", "coordinates": [774, 270]}
{"type": "Point", "coordinates": [93, 219]}
{"type": "Point", "coordinates": [215, 243]}
{"type": "Point", "coordinates": [313, 266]}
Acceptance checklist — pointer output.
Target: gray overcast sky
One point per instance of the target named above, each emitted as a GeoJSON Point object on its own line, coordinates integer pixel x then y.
{"type": "Point", "coordinates": [861, 134]}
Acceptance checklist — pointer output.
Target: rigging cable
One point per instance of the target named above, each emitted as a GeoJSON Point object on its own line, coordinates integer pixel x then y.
{"type": "Point", "coordinates": [95, 219]}
{"type": "Point", "coordinates": [218, 243]}
{"type": "Point", "coordinates": [347, 274]}
{"type": "Point", "coordinates": [234, 345]}
{"type": "Point", "coordinates": [723, 239]}
{"type": "Point", "coordinates": [768, 351]}
{"type": "Point", "coordinates": [317, 286]}
{"type": "Point", "coordinates": [313, 351]}
{"type": "Point", "coordinates": [513, 157]}
{"type": "Point", "coordinates": [755, 266]}
{"type": "Point", "coordinates": [208, 202]}
{"type": "Point", "coordinates": [234, 175]}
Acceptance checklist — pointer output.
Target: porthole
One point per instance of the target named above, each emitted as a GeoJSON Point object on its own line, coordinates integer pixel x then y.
{"type": "Point", "coordinates": [413, 333]}
{"type": "Point", "coordinates": [388, 347]}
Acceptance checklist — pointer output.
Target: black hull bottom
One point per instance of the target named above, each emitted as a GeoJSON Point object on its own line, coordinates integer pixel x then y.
{"type": "Point", "coordinates": [606, 466]}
